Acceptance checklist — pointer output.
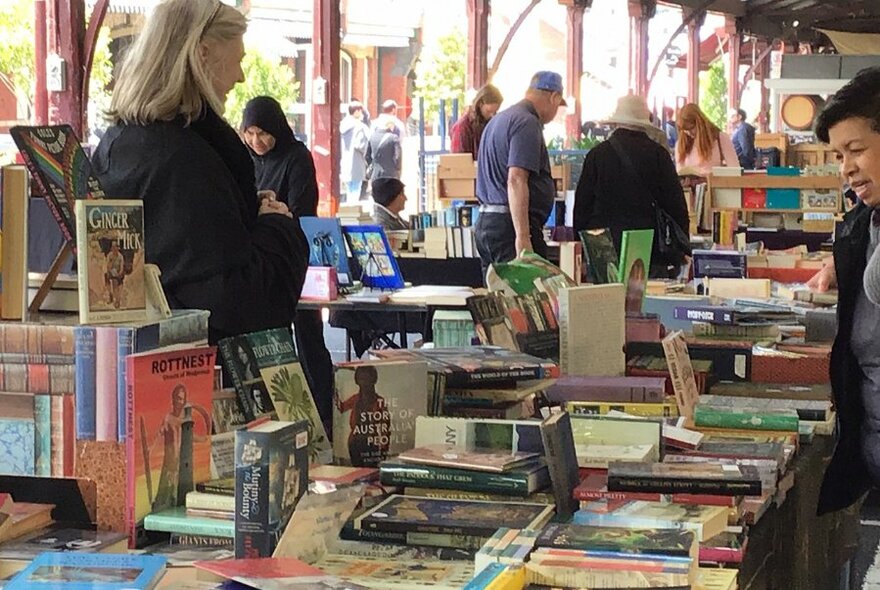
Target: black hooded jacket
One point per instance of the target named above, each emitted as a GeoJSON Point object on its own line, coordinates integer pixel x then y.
{"type": "Point", "coordinates": [201, 223]}
{"type": "Point", "coordinates": [288, 168]}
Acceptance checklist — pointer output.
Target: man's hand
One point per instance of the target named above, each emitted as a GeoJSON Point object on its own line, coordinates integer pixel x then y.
{"type": "Point", "coordinates": [824, 280]}
{"type": "Point", "coordinates": [523, 243]}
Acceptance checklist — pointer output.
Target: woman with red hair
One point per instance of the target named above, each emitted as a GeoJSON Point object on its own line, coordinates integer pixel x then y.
{"type": "Point", "coordinates": [701, 144]}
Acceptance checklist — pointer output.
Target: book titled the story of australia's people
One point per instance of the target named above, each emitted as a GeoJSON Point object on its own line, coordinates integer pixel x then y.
{"type": "Point", "coordinates": [110, 261]}
{"type": "Point", "coordinates": [56, 160]}
{"type": "Point", "coordinates": [269, 381]}
{"type": "Point", "coordinates": [413, 514]}
{"type": "Point", "coordinates": [476, 365]}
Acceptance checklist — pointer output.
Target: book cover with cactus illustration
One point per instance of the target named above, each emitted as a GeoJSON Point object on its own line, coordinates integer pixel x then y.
{"type": "Point", "coordinates": [269, 379]}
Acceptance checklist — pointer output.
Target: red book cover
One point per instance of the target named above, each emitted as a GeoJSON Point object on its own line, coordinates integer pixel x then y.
{"type": "Point", "coordinates": [263, 567]}
{"type": "Point", "coordinates": [595, 487]}
{"type": "Point", "coordinates": [168, 397]}
{"type": "Point", "coordinates": [38, 378]}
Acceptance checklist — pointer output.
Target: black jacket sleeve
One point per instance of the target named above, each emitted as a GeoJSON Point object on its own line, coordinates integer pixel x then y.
{"type": "Point", "coordinates": [585, 194]}
{"type": "Point", "coordinates": [670, 197]}
{"type": "Point", "coordinates": [302, 184]}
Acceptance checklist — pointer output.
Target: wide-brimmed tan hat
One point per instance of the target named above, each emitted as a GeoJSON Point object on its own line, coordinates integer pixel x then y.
{"type": "Point", "coordinates": [631, 110]}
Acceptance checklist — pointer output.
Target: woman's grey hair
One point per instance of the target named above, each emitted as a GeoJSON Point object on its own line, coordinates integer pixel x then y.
{"type": "Point", "coordinates": [164, 73]}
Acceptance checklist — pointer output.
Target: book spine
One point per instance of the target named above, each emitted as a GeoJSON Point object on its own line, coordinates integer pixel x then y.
{"type": "Point", "coordinates": [27, 358]}
{"type": "Point", "coordinates": [667, 485]}
{"type": "Point", "coordinates": [124, 347]}
{"type": "Point", "coordinates": [465, 379]}
{"type": "Point", "coordinates": [106, 411]}
{"type": "Point", "coordinates": [81, 242]}
{"type": "Point", "coordinates": [130, 456]}
{"type": "Point", "coordinates": [427, 528]}
{"type": "Point", "coordinates": [537, 497]}
{"type": "Point", "coordinates": [199, 540]}
{"type": "Point", "coordinates": [561, 459]}
{"type": "Point", "coordinates": [43, 436]}
{"type": "Point", "coordinates": [68, 421]}
{"type": "Point", "coordinates": [84, 346]}
{"type": "Point", "coordinates": [720, 555]}
{"type": "Point", "coordinates": [635, 408]}
{"type": "Point", "coordinates": [38, 379]}
{"type": "Point", "coordinates": [401, 474]}
{"type": "Point", "coordinates": [207, 488]}
{"type": "Point", "coordinates": [712, 315]}
{"type": "Point", "coordinates": [252, 534]}
{"type": "Point", "coordinates": [711, 418]}
{"type": "Point", "coordinates": [244, 400]}
{"type": "Point", "coordinates": [56, 410]}
{"type": "Point", "coordinates": [210, 502]}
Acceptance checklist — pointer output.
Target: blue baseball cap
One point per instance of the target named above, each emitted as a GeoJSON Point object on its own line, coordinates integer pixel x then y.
{"type": "Point", "coordinates": [549, 81]}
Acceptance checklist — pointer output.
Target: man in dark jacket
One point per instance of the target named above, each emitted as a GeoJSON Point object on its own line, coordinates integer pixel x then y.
{"type": "Point", "coordinates": [284, 165]}
{"type": "Point", "coordinates": [850, 123]}
{"type": "Point", "coordinates": [621, 195]}
{"type": "Point", "coordinates": [383, 153]}
{"type": "Point", "coordinates": [743, 136]}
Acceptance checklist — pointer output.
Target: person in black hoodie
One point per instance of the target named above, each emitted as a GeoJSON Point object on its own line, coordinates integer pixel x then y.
{"type": "Point", "coordinates": [219, 247]}
{"type": "Point", "coordinates": [284, 165]}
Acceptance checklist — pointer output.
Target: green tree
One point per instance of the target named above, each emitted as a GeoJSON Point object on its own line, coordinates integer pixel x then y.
{"type": "Point", "coordinates": [17, 49]}
{"type": "Point", "coordinates": [441, 72]}
{"type": "Point", "coordinates": [263, 76]}
{"type": "Point", "coordinates": [713, 94]}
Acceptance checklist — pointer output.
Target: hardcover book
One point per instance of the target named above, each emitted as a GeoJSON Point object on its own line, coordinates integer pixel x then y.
{"type": "Point", "coordinates": [13, 260]}
{"type": "Point", "coordinates": [327, 246]}
{"type": "Point", "coordinates": [706, 478]}
{"type": "Point", "coordinates": [271, 475]}
{"type": "Point", "coordinates": [635, 264]}
{"type": "Point", "coordinates": [110, 261]}
{"type": "Point", "coordinates": [63, 539]}
{"type": "Point", "coordinates": [476, 365]}
{"type": "Point", "coordinates": [595, 487]}
{"type": "Point", "coordinates": [61, 170]}
{"type": "Point", "coordinates": [705, 521]}
{"type": "Point", "coordinates": [375, 409]}
{"type": "Point", "coordinates": [90, 571]}
{"type": "Point", "coordinates": [177, 521]}
{"type": "Point", "coordinates": [598, 350]}
{"type": "Point", "coordinates": [18, 446]}
{"type": "Point", "coordinates": [169, 419]}
{"type": "Point", "coordinates": [476, 459]}
{"type": "Point", "coordinates": [520, 481]}
{"type": "Point", "coordinates": [562, 462]}
{"type": "Point", "coordinates": [512, 435]}
{"type": "Point", "coordinates": [463, 517]}
{"type": "Point", "coordinates": [269, 380]}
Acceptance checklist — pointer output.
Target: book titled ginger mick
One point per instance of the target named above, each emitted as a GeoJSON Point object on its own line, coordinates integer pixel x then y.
{"type": "Point", "coordinates": [110, 261]}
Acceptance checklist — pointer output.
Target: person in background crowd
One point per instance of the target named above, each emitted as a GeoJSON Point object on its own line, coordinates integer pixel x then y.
{"type": "Point", "coordinates": [384, 155]}
{"type": "Point", "coordinates": [621, 195]}
{"type": "Point", "coordinates": [701, 145]}
{"type": "Point", "coordinates": [389, 200]}
{"type": "Point", "coordinates": [849, 123]}
{"type": "Point", "coordinates": [389, 115]}
{"type": "Point", "coordinates": [669, 127]}
{"type": "Point", "coordinates": [743, 138]}
{"type": "Point", "coordinates": [355, 139]}
{"type": "Point", "coordinates": [468, 130]}
{"type": "Point", "coordinates": [284, 165]}
{"type": "Point", "coordinates": [514, 185]}
{"type": "Point", "coordinates": [219, 247]}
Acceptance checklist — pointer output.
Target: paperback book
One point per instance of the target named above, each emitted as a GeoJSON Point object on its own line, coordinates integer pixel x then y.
{"type": "Point", "coordinates": [707, 478]}
{"type": "Point", "coordinates": [270, 381]}
{"type": "Point", "coordinates": [375, 409]}
{"type": "Point", "coordinates": [110, 261]}
{"type": "Point", "coordinates": [475, 459]}
{"type": "Point", "coordinates": [169, 418]}
{"type": "Point", "coordinates": [616, 541]}
{"type": "Point", "coordinates": [271, 475]}
{"type": "Point", "coordinates": [90, 571]}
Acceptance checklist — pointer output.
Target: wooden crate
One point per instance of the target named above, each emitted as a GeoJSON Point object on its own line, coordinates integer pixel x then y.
{"type": "Point", "coordinates": [456, 177]}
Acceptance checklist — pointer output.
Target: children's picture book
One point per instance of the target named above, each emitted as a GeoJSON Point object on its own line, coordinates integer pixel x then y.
{"type": "Point", "coordinates": [600, 255]}
{"type": "Point", "coordinates": [169, 397]}
{"type": "Point", "coordinates": [635, 264]}
{"type": "Point", "coordinates": [477, 459]}
{"type": "Point", "coordinates": [375, 409]}
{"type": "Point", "coordinates": [110, 261]}
{"type": "Point", "coordinates": [62, 170]}
{"type": "Point", "coordinates": [90, 571]}
{"type": "Point", "coordinates": [269, 380]}
{"type": "Point", "coordinates": [271, 475]}
{"type": "Point", "coordinates": [375, 260]}
{"type": "Point", "coordinates": [327, 246]}
{"type": "Point", "coordinates": [412, 514]}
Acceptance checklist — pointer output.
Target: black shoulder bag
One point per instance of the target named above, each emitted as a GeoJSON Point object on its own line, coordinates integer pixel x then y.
{"type": "Point", "coordinates": [670, 241]}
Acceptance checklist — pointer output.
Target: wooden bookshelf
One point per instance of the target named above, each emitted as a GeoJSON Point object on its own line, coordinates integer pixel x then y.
{"type": "Point", "coordinates": [764, 181]}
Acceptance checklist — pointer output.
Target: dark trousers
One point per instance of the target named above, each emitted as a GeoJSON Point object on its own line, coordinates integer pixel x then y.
{"type": "Point", "coordinates": [496, 238]}
{"type": "Point", "coordinates": [308, 330]}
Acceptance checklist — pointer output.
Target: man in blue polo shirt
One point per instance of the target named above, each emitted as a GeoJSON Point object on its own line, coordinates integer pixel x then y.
{"type": "Point", "coordinates": [514, 186]}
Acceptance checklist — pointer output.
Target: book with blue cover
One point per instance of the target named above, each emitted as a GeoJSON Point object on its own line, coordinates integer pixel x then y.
{"type": "Point", "coordinates": [327, 246]}
{"type": "Point", "coordinates": [90, 571]}
{"type": "Point", "coordinates": [375, 260]}
{"type": "Point", "coordinates": [17, 446]}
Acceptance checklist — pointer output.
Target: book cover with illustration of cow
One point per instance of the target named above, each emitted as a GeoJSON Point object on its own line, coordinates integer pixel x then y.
{"type": "Point", "coordinates": [169, 400]}
{"type": "Point", "coordinates": [110, 261]}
